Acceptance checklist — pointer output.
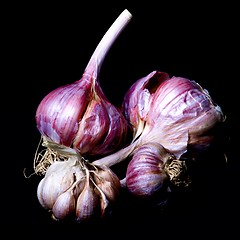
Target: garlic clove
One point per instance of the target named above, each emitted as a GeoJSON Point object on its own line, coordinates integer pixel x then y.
{"type": "Point", "coordinates": [87, 206]}
{"type": "Point", "coordinates": [103, 128]}
{"type": "Point", "coordinates": [117, 132]}
{"type": "Point", "coordinates": [104, 202]}
{"type": "Point", "coordinates": [48, 191]}
{"type": "Point", "coordinates": [40, 196]}
{"type": "Point", "coordinates": [64, 205]}
{"type": "Point", "coordinates": [109, 189]}
{"type": "Point", "coordinates": [107, 174]}
{"type": "Point", "coordinates": [92, 127]}
{"type": "Point", "coordinates": [79, 187]}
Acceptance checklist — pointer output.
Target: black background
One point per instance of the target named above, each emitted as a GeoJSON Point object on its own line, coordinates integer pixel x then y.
{"type": "Point", "coordinates": [47, 45]}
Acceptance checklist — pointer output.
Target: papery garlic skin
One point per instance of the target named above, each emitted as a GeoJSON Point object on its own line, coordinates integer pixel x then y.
{"type": "Point", "coordinates": [181, 115]}
{"type": "Point", "coordinates": [184, 111]}
{"type": "Point", "coordinates": [137, 100]}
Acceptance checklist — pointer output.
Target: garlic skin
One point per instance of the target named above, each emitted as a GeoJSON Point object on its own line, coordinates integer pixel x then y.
{"type": "Point", "coordinates": [137, 100]}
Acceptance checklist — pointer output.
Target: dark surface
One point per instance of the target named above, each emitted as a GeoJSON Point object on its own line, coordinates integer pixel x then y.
{"type": "Point", "coordinates": [46, 46]}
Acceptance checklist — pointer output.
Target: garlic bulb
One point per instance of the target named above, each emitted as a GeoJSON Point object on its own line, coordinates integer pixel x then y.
{"type": "Point", "coordinates": [78, 189]}
{"type": "Point", "coordinates": [145, 175]}
{"type": "Point", "coordinates": [79, 115]}
{"type": "Point", "coordinates": [173, 111]}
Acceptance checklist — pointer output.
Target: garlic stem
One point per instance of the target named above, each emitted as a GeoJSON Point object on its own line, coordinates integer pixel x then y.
{"type": "Point", "coordinates": [118, 156]}
{"type": "Point", "coordinates": [106, 42]}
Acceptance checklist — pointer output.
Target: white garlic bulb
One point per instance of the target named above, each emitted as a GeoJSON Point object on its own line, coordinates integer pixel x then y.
{"type": "Point", "coordinates": [78, 189]}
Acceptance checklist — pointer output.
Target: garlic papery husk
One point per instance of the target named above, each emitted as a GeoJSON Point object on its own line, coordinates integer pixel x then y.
{"type": "Point", "coordinates": [145, 175]}
{"type": "Point", "coordinates": [181, 114]}
{"type": "Point", "coordinates": [138, 98]}
{"type": "Point", "coordinates": [78, 115]}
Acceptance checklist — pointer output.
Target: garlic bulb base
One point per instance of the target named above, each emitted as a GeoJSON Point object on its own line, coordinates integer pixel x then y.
{"type": "Point", "coordinates": [177, 172]}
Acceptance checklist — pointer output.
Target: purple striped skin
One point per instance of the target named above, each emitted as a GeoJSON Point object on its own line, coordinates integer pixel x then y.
{"type": "Point", "coordinates": [92, 127]}
{"type": "Point", "coordinates": [144, 175]}
{"type": "Point", "coordinates": [179, 98]}
{"type": "Point", "coordinates": [117, 129]}
{"type": "Point", "coordinates": [59, 113]}
{"type": "Point", "coordinates": [103, 127]}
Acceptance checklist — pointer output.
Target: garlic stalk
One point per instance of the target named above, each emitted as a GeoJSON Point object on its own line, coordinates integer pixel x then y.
{"type": "Point", "coordinates": [106, 42]}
